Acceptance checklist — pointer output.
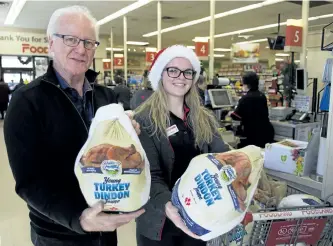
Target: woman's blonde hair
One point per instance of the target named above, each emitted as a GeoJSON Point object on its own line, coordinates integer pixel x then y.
{"type": "Point", "coordinates": [202, 122]}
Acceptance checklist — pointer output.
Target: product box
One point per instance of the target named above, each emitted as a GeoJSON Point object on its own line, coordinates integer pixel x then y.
{"type": "Point", "coordinates": [287, 156]}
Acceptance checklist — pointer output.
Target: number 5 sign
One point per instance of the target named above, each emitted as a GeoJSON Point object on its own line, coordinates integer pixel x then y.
{"type": "Point", "coordinates": [202, 50]}
{"type": "Point", "coordinates": [294, 38]}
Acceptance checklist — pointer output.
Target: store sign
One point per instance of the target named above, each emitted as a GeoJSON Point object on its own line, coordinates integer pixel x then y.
{"type": "Point", "coordinates": [17, 43]}
{"type": "Point", "coordinates": [294, 36]}
{"type": "Point", "coordinates": [202, 50]}
{"type": "Point", "coordinates": [107, 65]}
{"type": "Point", "coordinates": [284, 232]}
{"type": "Point", "coordinates": [150, 56]}
{"type": "Point", "coordinates": [245, 53]}
{"type": "Point", "coordinates": [118, 62]}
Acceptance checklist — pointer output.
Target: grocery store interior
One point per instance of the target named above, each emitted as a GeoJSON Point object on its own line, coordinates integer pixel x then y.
{"type": "Point", "coordinates": [288, 44]}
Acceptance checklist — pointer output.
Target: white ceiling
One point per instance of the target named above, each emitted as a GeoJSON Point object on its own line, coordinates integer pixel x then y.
{"type": "Point", "coordinates": [143, 20]}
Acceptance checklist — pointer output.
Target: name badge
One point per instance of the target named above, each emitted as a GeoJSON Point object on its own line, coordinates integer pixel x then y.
{"type": "Point", "coordinates": [172, 130]}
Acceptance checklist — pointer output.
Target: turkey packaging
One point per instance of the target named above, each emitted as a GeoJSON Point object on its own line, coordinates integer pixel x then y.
{"type": "Point", "coordinates": [112, 166]}
{"type": "Point", "coordinates": [214, 193]}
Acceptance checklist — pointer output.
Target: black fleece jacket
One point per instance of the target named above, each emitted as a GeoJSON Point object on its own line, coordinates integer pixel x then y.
{"type": "Point", "coordinates": [44, 133]}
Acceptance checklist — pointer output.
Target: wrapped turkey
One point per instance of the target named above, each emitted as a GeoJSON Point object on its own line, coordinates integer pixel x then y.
{"type": "Point", "coordinates": [216, 190]}
{"type": "Point", "coordinates": [112, 166]}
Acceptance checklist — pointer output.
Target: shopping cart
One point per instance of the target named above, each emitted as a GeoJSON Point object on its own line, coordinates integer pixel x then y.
{"type": "Point", "coordinates": [301, 226]}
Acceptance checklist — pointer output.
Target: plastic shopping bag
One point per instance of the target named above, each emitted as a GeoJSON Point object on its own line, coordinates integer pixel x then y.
{"type": "Point", "coordinates": [112, 166]}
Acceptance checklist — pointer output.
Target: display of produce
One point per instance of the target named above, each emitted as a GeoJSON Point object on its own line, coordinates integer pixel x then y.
{"type": "Point", "coordinates": [112, 166]}
{"type": "Point", "coordinates": [214, 181]}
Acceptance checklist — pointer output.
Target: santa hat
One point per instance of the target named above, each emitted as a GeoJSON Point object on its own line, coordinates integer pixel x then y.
{"type": "Point", "coordinates": [164, 56]}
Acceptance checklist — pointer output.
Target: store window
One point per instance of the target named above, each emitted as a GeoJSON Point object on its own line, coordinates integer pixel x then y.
{"type": "Point", "coordinates": [16, 62]}
{"type": "Point", "coordinates": [41, 64]}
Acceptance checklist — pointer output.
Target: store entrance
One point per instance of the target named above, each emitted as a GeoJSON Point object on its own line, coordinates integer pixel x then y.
{"type": "Point", "coordinates": [13, 76]}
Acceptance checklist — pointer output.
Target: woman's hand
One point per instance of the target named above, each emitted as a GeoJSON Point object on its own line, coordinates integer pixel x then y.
{"type": "Point", "coordinates": [172, 213]}
{"type": "Point", "coordinates": [135, 124]}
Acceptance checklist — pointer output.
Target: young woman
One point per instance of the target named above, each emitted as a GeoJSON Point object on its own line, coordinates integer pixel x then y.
{"type": "Point", "coordinates": [175, 127]}
{"type": "Point", "coordinates": [252, 111]}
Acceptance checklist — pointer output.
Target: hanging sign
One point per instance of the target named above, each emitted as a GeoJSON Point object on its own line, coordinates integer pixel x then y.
{"type": "Point", "coordinates": [294, 36]}
{"type": "Point", "coordinates": [118, 62]}
{"type": "Point", "coordinates": [107, 65]}
{"type": "Point", "coordinates": [245, 53]}
{"type": "Point", "coordinates": [150, 56]}
{"type": "Point", "coordinates": [202, 50]}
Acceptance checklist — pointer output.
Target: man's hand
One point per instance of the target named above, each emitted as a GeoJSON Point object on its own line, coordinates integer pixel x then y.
{"type": "Point", "coordinates": [135, 124]}
{"type": "Point", "coordinates": [94, 220]}
{"type": "Point", "coordinates": [172, 213]}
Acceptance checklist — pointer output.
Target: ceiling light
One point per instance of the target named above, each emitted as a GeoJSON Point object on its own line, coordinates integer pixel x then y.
{"type": "Point", "coordinates": [151, 49]}
{"type": "Point", "coordinates": [266, 27]}
{"type": "Point", "coordinates": [267, 47]}
{"type": "Point", "coordinates": [279, 59]}
{"type": "Point", "coordinates": [219, 55]}
{"type": "Point", "coordinates": [200, 39]}
{"type": "Point", "coordinates": [123, 11]}
{"type": "Point", "coordinates": [115, 49]}
{"type": "Point", "coordinates": [137, 43]}
{"type": "Point", "coordinates": [191, 47]}
{"type": "Point", "coordinates": [217, 16]}
{"type": "Point", "coordinates": [14, 11]}
{"type": "Point", "coordinates": [222, 49]}
{"type": "Point", "coordinates": [134, 50]}
{"type": "Point", "coordinates": [106, 60]}
{"type": "Point", "coordinates": [297, 61]}
{"type": "Point", "coordinates": [118, 55]}
{"type": "Point", "coordinates": [282, 54]}
{"type": "Point", "coordinates": [253, 41]}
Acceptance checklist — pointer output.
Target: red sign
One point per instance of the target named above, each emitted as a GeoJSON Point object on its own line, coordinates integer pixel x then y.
{"type": "Point", "coordinates": [201, 49]}
{"type": "Point", "coordinates": [106, 65]}
{"type": "Point", "coordinates": [286, 232]}
{"type": "Point", "coordinates": [118, 61]}
{"type": "Point", "coordinates": [150, 56]}
{"type": "Point", "coordinates": [34, 49]}
{"type": "Point", "coordinates": [294, 36]}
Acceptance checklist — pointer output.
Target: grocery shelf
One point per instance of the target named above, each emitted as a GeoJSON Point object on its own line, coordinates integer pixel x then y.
{"type": "Point", "coordinates": [305, 184]}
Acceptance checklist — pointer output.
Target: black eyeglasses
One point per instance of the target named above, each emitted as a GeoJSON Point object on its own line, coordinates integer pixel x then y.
{"type": "Point", "coordinates": [174, 72]}
{"type": "Point", "coordinates": [73, 41]}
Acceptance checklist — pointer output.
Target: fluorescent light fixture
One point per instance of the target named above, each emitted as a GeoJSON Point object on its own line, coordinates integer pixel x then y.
{"type": "Point", "coordinates": [201, 39]}
{"type": "Point", "coordinates": [150, 49]}
{"type": "Point", "coordinates": [219, 55]}
{"type": "Point", "coordinates": [279, 59]}
{"type": "Point", "coordinates": [297, 61]}
{"type": "Point", "coordinates": [253, 41]}
{"type": "Point", "coordinates": [137, 43]}
{"type": "Point", "coordinates": [123, 11]}
{"type": "Point", "coordinates": [217, 16]}
{"type": "Point", "coordinates": [222, 49]}
{"type": "Point", "coordinates": [267, 47]}
{"type": "Point", "coordinates": [191, 47]}
{"type": "Point", "coordinates": [282, 54]}
{"type": "Point", "coordinates": [118, 55]}
{"type": "Point", "coordinates": [106, 60]}
{"type": "Point", "coordinates": [114, 49]}
{"type": "Point", "coordinates": [266, 27]}
{"type": "Point", "coordinates": [14, 11]}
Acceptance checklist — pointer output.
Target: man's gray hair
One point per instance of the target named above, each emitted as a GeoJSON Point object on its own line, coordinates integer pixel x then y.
{"type": "Point", "coordinates": [54, 20]}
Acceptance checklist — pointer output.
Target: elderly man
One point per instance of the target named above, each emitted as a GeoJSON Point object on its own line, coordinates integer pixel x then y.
{"type": "Point", "coordinates": [47, 124]}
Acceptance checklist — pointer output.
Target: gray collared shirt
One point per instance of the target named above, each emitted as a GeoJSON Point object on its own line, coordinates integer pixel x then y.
{"type": "Point", "coordinates": [82, 104]}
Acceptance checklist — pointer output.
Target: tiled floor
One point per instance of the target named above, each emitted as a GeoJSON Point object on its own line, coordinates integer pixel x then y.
{"type": "Point", "coordinates": [14, 222]}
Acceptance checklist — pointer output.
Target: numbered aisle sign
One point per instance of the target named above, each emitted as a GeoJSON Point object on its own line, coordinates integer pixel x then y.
{"type": "Point", "coordinates": [202, 50]}
{"type": "Point", "coordinates": [294, 36]}
{"type": "Point", "coordinates": [118, 62]}
{"type": "Point", "coordinates": [107, 65]}
{"type": "Point", "coordinates": [150, 56]}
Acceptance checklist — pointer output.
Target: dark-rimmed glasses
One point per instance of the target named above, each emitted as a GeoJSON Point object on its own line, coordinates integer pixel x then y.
{"type": "Point", "coordinates": [73, 41]}
{"type": "Point", "coordinates": [174, 72]}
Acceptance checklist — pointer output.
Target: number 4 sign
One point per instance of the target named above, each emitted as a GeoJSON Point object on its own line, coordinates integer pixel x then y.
{"type": "Point", "coordinates": [202, 50]}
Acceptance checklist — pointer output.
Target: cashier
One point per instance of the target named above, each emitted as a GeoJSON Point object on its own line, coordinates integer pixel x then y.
{"type": "Point", "coordinates": [252, 111]}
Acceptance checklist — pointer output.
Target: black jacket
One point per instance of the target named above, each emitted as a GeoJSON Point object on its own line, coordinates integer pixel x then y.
{"type": "Point", "coordinates": [123, 95]}
{"type": "Point", "coordinates": [139, 97]}
{"type": "Point", "coordinates": [161, 158]}
{"type": "Point", "coordinates": [43, 134]}
{"type": "Point", "coordinates": [252, 111]}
